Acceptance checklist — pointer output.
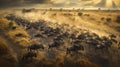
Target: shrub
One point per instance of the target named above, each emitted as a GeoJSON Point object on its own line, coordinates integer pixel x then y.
{"type": "Point", "coordinates": [108, 19]}
{"type": "Point", "coordinates": [102, 18]}
{"type": "Point", "coordinates": [80, 14]}
{"type": "Point", "coordinates": [118, 28]}
{"type": "Point", "coordinates": [118, 19]}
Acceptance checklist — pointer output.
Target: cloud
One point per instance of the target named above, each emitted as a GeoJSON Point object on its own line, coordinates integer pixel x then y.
{"type": "Point", "coordinates": [56, 3]}
{"type": "Point", "coordinates": [37, 1]}
{"type": "Point", "coordinates": [14, 3]}
{"type": "Point", "coordinates": [60, 2]}
{"type": "Point", "coordinates": [107, 3]}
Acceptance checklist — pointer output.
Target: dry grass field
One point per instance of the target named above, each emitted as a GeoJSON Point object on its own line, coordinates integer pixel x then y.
{"type": "Point", "coordinates": [19, 30]}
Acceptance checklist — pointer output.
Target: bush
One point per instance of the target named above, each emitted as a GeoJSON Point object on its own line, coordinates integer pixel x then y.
{"type": "Point", "coordinates": [80, 14]}
{"type": "Point", "coordinates": [108, 19]}
{"type": "Point", "coordinates": [86, 14]}
{"type": "Point", "coordinates": [118, 28]}
{"type": "Point", "coordinates": [102, 18]}
{"type": "Point", "coordinates": [118, 19]}
{"type": "Point", "coordinates": [67, 14]}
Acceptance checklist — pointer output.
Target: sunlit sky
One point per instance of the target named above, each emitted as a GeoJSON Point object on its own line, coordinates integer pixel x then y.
{"type": "Point", "coordinates": [59, 3]}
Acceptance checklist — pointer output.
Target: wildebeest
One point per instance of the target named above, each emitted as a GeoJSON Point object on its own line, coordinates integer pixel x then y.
{"type": "Point", "coordinates": [112, 36]}
{"type": "Point", "coordinates": [60, 37]}
{"type": "Point", "coordinates": [92, 42]}
{"type": "Point", "coordinates": [66, 34]}
{"type": "Point", "coordinates": [101, 46]}
{"type": "Point", "coordinates": [35, 47]}
{"type": "Point", "coordinates": [55, 44]}
{"type": "Point", "coordinates": [19, 35]}
{"type": "Point", "coordinates": [39, 35]}
{"type": "Point", "coordinates": [26, 10]}
{"type": "Point", "coordinates": [115, 41]}
{"type": "Point", "coordinates": [118, 45]}
{"type": "Point", "coordinates": [29, 55]}
{"type": "Point", "coordinates": [81, 37]}
{"type": "Point", "coordinates": [74, 48]}
{"type": "Point", "coordinates": [14, 28]}
{"type": "Point", "coordinates": [77, 41]}
{"type": "Point", "coordinates": [105, 44]}
{"type": "Point", "coordinates": [73, 36]}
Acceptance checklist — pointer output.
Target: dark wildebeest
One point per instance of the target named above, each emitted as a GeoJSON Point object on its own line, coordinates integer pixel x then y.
{"type": "Point", "coordinates": [39, 35]}
{"type": "Point", "coordinates": [118, 45]}
{"type": "Point", "coordinates": [103, 45]}
{"type": "Point", "coordinates": [74, 48]}
{"type": "Point", "coordinates": [73, 36]}
{"type": "Point", "coordinates": [112, 36]}
{"type": "Point", "coordinates": [14, 28]}
{"type": "Point", "coordinates": [29, 55]}
{"type": "Point", "coordinates": [55, 44]}
{"type": "Point", "coordinates": [92, 42]}
{"type": "Point", "coordinates": [66, 34]}
{"type": "Point", "coordinates": [26, 10]}
{"type": "Point", "coordinates": [77, 41]}
{"type": "Point", "coordinates": [28, 26]}
{"type": "Point", "coordinates": [81, 37]}
{"type": "Point", "coordinates": [115, 41]}
{"type": "Point", "coordinates": [19, 35]}
{"type": "Point", "coordinates": [100, 46]}
{"type": "Point", "coordinates": [35, 47]}
{"type": "Point", "coordinates": [59, 38]}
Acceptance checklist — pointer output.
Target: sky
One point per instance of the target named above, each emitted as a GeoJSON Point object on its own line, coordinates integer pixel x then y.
{"type": "Point", "coordinates": [60, 3]}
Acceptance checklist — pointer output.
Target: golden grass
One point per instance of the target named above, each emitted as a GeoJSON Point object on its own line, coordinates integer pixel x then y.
{"type": "Point", "coordinates": [6, 58]}
{"type": "Point", "coordinates": [3, 45]}
{"type": "Point", "coordinates": [3, 23]}
{"type": "Point", "coordinates": [86, 63]}
{"type": "Point", "coordinates": [5, 28]}
{"type": "Point", "coordinates": [95, 25]}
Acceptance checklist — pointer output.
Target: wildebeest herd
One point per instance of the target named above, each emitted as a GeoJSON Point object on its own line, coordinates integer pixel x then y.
{"type": "Point", "coordinates": [32, 48]}
{"type": "Point", "coordinates": [60, 35]}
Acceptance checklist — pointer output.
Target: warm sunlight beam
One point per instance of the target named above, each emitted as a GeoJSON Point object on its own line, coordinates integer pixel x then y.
{"type": "Point", "coordinates": [108, 3]}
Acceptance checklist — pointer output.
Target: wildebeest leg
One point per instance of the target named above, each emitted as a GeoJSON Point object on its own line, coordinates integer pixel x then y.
{"type": "Point", "coordinates": [118, 47]}
{"type": "Point", "coordinates": [68, 51]}
{"type": "Point", "coordinates": [49, 47]}
{"type": "Point", "coordinates": [37, 51]}
{"type": "Point", "coordinates": [28, 49]}
{"type": "Point", "coordinates": [77, 53]}
{"type": "Point", "coordinates": [23, 58]}
{"type": "Point", "coordinates": [108, 50]}
{"type": "Point", "coordinates": [35, 55]}
{"type": "Point", "coordinates": [30, 58]}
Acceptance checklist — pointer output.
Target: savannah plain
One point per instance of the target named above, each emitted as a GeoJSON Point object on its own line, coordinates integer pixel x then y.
{"type": "Point", "coordinates": [15, 37]}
